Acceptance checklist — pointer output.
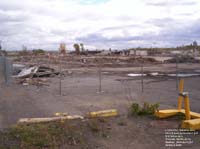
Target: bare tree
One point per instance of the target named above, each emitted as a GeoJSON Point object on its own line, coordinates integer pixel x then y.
{"type": "Point", "coordinates": [0, 49]}
{"type": "Point", "coordinates": [194, 46]}
{"type": "Point", "coordinates": [77, 48]}
{"type": "Point", "coordinates": [0, 45]}
{"type": "Point", "coordinates": [62, 48]}
{"type": "Point", "coordinates": [24, 48]}
{"type": "Point", "coordinates": [24, 51]}
{"type": "Point", "coordinates": [82, 47]}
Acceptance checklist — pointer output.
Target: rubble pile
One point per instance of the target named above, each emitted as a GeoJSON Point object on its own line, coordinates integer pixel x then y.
{"type": "Point", "coordinates": [182, 59]}
{"type": "Point", "coordinates": [142, 59]}
{"type": "Point", "coordinates": [33, 81]}
{"type": "Point", "coordinates": [36, 71]}
{"type": "Point", "coordinates": [32, 75]}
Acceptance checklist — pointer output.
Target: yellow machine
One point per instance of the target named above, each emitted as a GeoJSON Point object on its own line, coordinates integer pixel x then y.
{"type": "Point", "coordinates": [192, 118]}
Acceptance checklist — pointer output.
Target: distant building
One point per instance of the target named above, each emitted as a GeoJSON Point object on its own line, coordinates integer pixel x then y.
{"type": "Point", "coordinates": [138, 52]}
{"type": "Point", "coordinates": [105, 52]}
{"type": "Point", "coordinates": [176, 52]}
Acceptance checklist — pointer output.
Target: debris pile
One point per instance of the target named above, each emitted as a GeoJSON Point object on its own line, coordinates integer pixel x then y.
{"type": "Point", "coordinates": [36, 71]}
{"type": "Point", "coordinates": [32, 75]}
{"type": "Point", "coordinates": [33, 81]}
{"type": "Point", "coordinates": [142, 59]}
{"type": "Point", "coordinates": [17, 68]}
{"type": "Point", "coordinates": [182, 59]}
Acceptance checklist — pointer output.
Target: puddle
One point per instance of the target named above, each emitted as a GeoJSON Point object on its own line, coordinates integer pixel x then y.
{"type": "Point", "coordinates": [135, 75]}
{"type": "Point", "coordinates": [183, 75]}
{"type": "Point", "coordinates": [197, 70]}
{"type": "Point", "coordinates": [139, 74]}
{"type": "Point", "coordinates": [159, 74]}
{"type": "Point", "coordinates": [154, 74]}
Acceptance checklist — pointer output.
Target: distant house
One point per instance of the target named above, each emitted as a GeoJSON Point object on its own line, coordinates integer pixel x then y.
{"type": "Point", "coordinates": [176, 52]}
{"type": "Point", "coordinates": [138, 52]}
{"type": "Point", "coordinates": [105, 52]}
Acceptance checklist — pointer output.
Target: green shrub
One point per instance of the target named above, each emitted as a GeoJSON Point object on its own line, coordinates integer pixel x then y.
{"type": "Point", "coordinates": [147, 109]}
{"type": "Point", "coordinates": [38, 51]}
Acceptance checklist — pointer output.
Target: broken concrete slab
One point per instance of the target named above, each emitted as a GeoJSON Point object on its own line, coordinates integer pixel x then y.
{"type": "Point", "coordinates": [26, 72]}
{"type": "Point", "coordinates": [17, 68]}
{"type": "Point", "coordinates": [36, 71]}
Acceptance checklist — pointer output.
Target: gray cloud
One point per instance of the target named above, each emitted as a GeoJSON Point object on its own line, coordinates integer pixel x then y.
{"type": "Point", "coordinates": [121, 27]}
{"type": "Point", "coordinates": [167, 36]}
{"type": "Point", "coordinates": [163, 22]}
{"type": "Point", "coordinates": [45, 23]}
{"type": "Point", "coordinates": [12, 16]}
{"type": "Point", "coordinates": [171, 3]}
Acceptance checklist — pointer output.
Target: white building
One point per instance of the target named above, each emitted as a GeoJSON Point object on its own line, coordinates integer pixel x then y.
{"type": "Point", "coordinates": [138, 52]}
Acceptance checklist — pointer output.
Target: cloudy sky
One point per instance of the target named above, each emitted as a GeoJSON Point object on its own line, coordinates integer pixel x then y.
{"type": "Point", "coordinates": [98, 23]}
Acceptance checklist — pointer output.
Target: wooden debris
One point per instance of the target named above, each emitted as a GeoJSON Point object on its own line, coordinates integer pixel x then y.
{"type": "Point", "coordinates": [104, 113]}
{"type": "Point", "coordinates": [48, 119]}
{"type": "Point", "coordinates": [33, 81]}
{"type": "Point", "coordinates": [60, 114]}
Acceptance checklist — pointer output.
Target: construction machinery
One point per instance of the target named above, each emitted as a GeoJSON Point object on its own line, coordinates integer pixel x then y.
{"type": "Point", "coordinates": [192, 118]}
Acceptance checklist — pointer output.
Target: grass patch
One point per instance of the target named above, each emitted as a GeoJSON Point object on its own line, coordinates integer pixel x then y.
{"type": "Point", "coordinates": [99, 127]}
{"type": "Point", "coordinates": [65, 134]}
{"type": "Point", "coordinates": [94, 126]}
{"type": "Point", "coordinates": [44, 135]}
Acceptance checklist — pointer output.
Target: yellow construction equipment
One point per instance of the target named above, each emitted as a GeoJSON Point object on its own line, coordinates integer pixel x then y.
{"type": "Point", "coordinates": [191, 124]}
{"type": "Point", "coordinates": [192, 118]}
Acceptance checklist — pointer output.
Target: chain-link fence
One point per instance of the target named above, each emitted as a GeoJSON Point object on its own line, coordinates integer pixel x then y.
{"type": "Point", "coordinates": [5, 70]}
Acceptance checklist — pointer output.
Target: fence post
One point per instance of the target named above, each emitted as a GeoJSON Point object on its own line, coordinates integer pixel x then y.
{"type": "Point", "coordinates": [177, 80]}
{"type": "Point", "coordinates": [142, 76]}
{"type": "Point", "coordinates": [100, 77]}
{"type": "Point", "coordinates": [60, 77]}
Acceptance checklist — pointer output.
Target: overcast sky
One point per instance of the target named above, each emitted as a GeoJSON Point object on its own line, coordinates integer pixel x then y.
{"type": "Point", "coordinates": [117, 24]}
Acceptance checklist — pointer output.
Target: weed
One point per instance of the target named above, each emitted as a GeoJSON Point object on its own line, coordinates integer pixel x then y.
{"type": "Point", "coordinates": [99, 127]}
{"type": "Point", "coordinates": [121, 123]}
{"type": "Point", "coordinates": [147, 109]}
{"type": "Point", "coordinates": [180, 116]}
{"type": "Point", "coordinates": [94, 125]}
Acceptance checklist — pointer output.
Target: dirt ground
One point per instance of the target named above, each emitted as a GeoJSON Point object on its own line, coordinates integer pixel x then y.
{"type": "Point", "coordinates": [80, 94]}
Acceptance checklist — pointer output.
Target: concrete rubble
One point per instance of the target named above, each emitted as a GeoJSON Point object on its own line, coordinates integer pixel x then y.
{"type": "Point", "coordinates": [32, 75]}
{"type": "Point", "coordinates": [36, 71]}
